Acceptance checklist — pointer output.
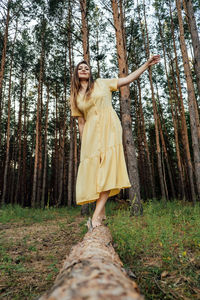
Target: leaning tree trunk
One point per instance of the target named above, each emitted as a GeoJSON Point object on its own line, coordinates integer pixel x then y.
{"type": "Point", "coordinates": [134, 191]}
{"type": "Point", "coordinates": [93, 270]}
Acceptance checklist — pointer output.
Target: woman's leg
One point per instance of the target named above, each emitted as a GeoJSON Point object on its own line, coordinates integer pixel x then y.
{"type": "Point", "coordinates": [103, 213]}
{"type": "Point", "coordinates": [100, 209]}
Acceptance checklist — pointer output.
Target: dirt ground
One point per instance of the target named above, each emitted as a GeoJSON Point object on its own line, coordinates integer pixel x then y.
{"type": "Point", "coordinates": [31, 255]}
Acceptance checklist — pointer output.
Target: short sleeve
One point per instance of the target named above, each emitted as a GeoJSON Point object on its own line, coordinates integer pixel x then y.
{"type": "Point", "coordinates": [75, 112]}
{"type": "Point", "coordinates": [111, 83]}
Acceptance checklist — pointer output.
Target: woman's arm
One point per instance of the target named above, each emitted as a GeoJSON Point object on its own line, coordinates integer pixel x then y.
{"type": "Point", "coordinates": [81, 123]}
{"type": "Point", "coordinates": [131, 77]}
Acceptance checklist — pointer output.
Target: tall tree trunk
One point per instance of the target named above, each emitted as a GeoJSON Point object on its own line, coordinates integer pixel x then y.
{"type": "Point", "coordinates": [38, 120]}
{"type": "Point", "coordinates": [192, 101]}
{"type": "Point", "coordinates": [75, 160]}
{"type": "Point", "coordinates": [142, 166]}
{"type": "Point", "coordinates": [86, 54]}
{"type": "Point", "coordinates": [3, 59]}
{"type": "Point", "coordinates": [13, 158]}
{"type": "Point", "coordinates": [24, 163]}
{"type": "Point", "coordinates": [85, 31]}
{"type": "Point", "coordinates": [19, 138]}
{"type": "Point", "coordinates": [182, 112]}
{"type": "Point", "coordinates": [63, 134]}
{"type": "Point", "coordinates": [70, 165]}
{"type": "Point", "coordinates": [145, 141]}
{"type": "Point", "coordinates": [165, 142]}
{"type": "Point", "coordinates": [158, 150]}
{"type": "Point", "coordinates": [134, 191]}
{"type": "Point", "coordinates": [166, 159]}
{"type": "Point", "coordinates": [56, 166]}
{"type": "Point", "coordinates": [195, 38]}
{"type": "Point", "coordinates": [12, 180]}
{"type": "Point", "coordinates": [39, 171]}
{"type": "Point", "coordinates": [181, 175]}
{"type": "Point", "coordinates": [45, 151]}
{"type": "Point", "coordinates": [8, 123]}
{"type": "Point", "coordinates": [59, 163]}
{"type": "Point", "coordinates": [97, 52]}
{"type": "Point", "coordinates": [70, 173]}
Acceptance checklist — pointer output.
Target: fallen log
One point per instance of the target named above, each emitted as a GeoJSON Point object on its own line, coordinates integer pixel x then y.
{"type": "Point", "coordinates": [93, 270]}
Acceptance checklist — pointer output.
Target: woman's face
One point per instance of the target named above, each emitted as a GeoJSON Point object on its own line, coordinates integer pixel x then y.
{"type": "Point", "coordinates": [83, 72]}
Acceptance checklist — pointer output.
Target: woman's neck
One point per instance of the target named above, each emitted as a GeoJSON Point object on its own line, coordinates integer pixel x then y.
{"type": "Point", "coordinates": [84, 85]}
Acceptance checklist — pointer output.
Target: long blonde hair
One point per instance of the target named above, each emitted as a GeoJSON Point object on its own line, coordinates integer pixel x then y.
{"type": "Point", "coordinates": [76, 85]}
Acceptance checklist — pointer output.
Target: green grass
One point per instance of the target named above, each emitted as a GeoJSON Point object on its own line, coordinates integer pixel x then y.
{"type": "Point", "coordinates": [162, 248]}
{"type": "Point", "coordinates": [15, 214]}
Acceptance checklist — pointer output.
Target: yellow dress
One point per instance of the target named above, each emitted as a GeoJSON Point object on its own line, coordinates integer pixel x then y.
{"type": "Point", "coordinates": [102, 164]}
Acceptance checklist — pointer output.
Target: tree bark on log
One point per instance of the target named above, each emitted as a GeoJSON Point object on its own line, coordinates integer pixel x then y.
{"type": "Point", "coordinates": [93, 271]}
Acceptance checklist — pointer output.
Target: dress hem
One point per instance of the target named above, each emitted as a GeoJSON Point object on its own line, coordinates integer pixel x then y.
{"type": "Point", "coordinates": [97, 196]}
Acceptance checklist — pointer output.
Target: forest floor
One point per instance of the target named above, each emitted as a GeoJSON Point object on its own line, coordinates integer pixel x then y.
{"type": "Point", "coordinates": [162, 248]}
{"type": "Point", "coordinates": [33, 246]}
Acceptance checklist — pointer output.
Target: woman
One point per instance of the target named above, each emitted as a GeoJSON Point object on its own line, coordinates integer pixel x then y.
{"type": "Point", "coordinates": [102, 171]}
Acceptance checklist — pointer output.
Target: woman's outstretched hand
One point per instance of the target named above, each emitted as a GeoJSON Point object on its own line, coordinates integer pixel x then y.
{"type": "Point", "coordinates": [153, 60]}
{"type": "Point", "coordinates": [131, 77]}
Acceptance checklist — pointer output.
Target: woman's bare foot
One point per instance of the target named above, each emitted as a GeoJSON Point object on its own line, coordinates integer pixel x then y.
{"type": "Point", "coordinates": [96, 222]}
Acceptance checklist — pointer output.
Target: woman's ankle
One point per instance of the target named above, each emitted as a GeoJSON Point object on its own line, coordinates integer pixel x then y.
{"type": "Point", "coordinates": [97, 219]}
{"type": "Point", "coordinates": [102, 216]}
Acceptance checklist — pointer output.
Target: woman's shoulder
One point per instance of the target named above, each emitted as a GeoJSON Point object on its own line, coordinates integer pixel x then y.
{"type": "Point", "coordinates": [99, 81]}
{"type": "Point", "coordinates": [104, 80]}
{"type": "Point", "coordinates": [110, 83]}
